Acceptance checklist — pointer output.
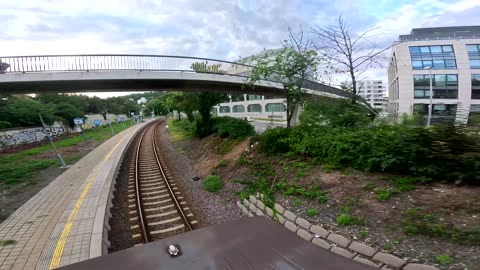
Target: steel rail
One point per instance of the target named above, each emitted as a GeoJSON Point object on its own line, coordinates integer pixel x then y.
{"type": "Point", "coordinates": [141, 214]}
{"type": "Point", "coordinates": [167, 183]}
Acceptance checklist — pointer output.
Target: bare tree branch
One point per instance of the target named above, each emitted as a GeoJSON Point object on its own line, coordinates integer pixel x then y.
{"type": "Point", "coordinates": [353, 53]}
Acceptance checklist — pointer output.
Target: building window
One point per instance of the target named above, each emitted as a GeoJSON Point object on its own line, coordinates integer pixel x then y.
{"type": "Point", "coordinates": [436, 57]}
{"type": "Point", "coordinates": [254, 97]}
{"type": "Point", "coordinates": [270, 97]}
{"type": "Point", "coordinates": [224, 109]}
{"type": "Point", "coordinates": [238, 108]}
{"type": "Point", "coordinates": [441, 113]}
{"type": "Point", "coordinates": [444, 86]}
{"type": "Point", "coordinates": [275, 107]}
{"type": "Point", "coordinates": [254, 108]}
{"type": "Point", "coordinates": [474, 55]}
{"type": "Point", "coordinates": [475, 86]}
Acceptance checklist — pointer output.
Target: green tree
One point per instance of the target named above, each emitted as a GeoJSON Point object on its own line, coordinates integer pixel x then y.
{"type": "Point", "coordinates": [67, 112]}
{"type": "Point", "coordinates": [290, 65]}
{"type": "Point", "coordinates": [23, 112]}
{"type": "Point", "coordinates": [157, 105]}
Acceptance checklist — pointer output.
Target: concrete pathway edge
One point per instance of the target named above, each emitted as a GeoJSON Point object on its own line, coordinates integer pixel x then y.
{"type": "Point", "coordinates": [336, 243]}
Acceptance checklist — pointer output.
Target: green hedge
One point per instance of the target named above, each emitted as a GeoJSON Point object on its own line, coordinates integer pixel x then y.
{"type": "Point", "coordinates": [443, 153]}
{"type": "Point", "coordinates": [229, 127]}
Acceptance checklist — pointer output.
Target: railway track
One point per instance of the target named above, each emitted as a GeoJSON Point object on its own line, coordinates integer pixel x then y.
{"type": "Point", "coordinates": [156, 206]}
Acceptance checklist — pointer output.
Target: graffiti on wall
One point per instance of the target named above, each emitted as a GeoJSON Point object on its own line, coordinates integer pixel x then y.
{"type": "Point", "coordinates": [21, 136]}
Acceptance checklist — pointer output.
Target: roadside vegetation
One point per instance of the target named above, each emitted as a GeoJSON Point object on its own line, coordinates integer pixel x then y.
{"type": "Point", "coordinates": [401, 182]}
{"type": "Point", "coordinates": [22, 165]}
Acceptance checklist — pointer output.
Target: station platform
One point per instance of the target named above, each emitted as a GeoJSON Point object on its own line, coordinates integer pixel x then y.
{"type": "Point", "coordinates": [67, 221]}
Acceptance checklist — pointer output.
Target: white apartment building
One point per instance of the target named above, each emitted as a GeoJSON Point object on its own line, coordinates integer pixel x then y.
{"type": "Point", "coordinates": [374, 92]}
{"type": "Point", "coordinates": [254, 106]}
{"type": "Point", "coordinates": [451, 55]}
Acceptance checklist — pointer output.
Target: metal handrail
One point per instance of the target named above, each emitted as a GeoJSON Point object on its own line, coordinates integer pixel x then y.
{"type": "Point", "coordinates": [169, 63]}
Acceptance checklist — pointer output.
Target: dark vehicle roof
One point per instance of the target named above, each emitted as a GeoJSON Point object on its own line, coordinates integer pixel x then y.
{"type": "Point", "coordinates": [248, 243]}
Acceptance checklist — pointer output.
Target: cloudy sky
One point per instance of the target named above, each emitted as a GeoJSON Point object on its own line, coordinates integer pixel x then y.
{"type": "Point", "coordinates": [221, 29]}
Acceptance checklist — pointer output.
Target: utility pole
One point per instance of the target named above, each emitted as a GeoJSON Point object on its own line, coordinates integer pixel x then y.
{"type": "Point", "coordinates": [60, 158]}
{"type": "Point", "coordinates": [430, 106]}
{"type": "Point", "coordinates": [110, 123]}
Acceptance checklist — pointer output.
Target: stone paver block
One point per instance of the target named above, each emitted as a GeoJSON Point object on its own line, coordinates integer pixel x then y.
{"type": "Point", "coordinates": [289, 215]}
{"type": "Point", "coordinates": [362, 248]}
{"type": "Point", "coordinates": [239, 204]}
{"type": "Point", "coordinates": [259, 212]}
{"type": "Point", "coordinates": [250, 214]}
{"type": "Point", "coordinates": [387, 267]}
{"type": "Point", "coordinates": [280, 219]}
{"type": "Point", "coordinates": [253, 199]}
{"type": "Point", "coordinates": [366, 261]}
{"type": "Point", "coordinates": [305, 234]}
{"type": "Point", "coordinates": [321, 243]}
{"type": "Point", "coordinates": [303, 223]}
{"type": "Point", "coordinates": [260, 204]}
{"type": "Point", "coordinates": [389, 259]}
{"type": "Point", "coordinates": [417, 266]}
{"type": "Point", "coordinates": [245, 210]}
{"type": "Point", "coordinates": [341, 251]}
{"type": "Point", "coordinates": [291, 226]}
{"type": "Point", "coordinates": [320, 231]}
{"type": "Point", "coordinates": [246, 202]}
{"type": "Point", "coordinates": [269, 211]}
{"type": "Point", "coordinates": [279, 208]}
{"type": "Point", "coordinates": [252, 207]}
{"type": "Point", "coordinates": [338, 239]}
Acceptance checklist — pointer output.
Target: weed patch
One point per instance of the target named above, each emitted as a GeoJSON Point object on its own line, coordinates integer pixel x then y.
{"type": "Point", "coordinates": [416, 221]}
{"type": "Point", "coordinates": [213, 183]}
{"type": "Point", "coordinates": [311, 212]}
{"type": "Point", "coordinates": [444, 259]}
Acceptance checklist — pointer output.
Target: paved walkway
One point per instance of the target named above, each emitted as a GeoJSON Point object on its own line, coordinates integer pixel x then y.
{"type": "Point", "coordinates": [65, 222]}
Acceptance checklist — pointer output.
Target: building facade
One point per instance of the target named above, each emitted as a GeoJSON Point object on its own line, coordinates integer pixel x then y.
{"type": "Point", "coordinates": [374, 92]}
{"type": "Point", "coordinates": [253, 106]}
{"type": "Point", "coordinates": [450, 56]}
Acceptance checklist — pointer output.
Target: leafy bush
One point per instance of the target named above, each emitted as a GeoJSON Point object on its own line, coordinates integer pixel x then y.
{"type": "Point", "coordinates": [443, 153]}
{"type": "Point", "coordinates": [229, 127]}
{"type": "Point", "coordinates": [213, 183]}
{"type": "Point", "coordinates": [201, 128]}
{"type": "Point", "coordinates": [322, 111]}
{"type": "Point", "coordinates": [276, 140]}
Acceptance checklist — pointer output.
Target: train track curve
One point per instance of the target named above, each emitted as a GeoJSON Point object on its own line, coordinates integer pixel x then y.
{"type": "Point", "coordinates": [156, 207]}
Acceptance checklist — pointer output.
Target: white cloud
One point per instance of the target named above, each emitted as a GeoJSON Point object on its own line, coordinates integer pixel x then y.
{"type": "Point", "coordinates": [223, 29]}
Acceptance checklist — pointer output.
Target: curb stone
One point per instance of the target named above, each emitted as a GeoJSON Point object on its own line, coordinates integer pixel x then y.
{"type": "Point", "coordinates": [338, 239]}
{"type": "Point", "coordinates": [305, 234]}
{"type": "Point", "coordinates": [289, 215]}
{"type": "Point", "coordinates": [389, 259]}
{"type": "Point", "coordinates": [321, 237]}
{"type": "Point", "coordinates": [321, 243]}
{"type": "Point", "coordinates": [362, 248]}
{"type": "Point", "coordinates": [291, 226]}
{"type": "Point", "coordinates": [342, 252]}
{"type": "Point", "coordinates": [366, 261]}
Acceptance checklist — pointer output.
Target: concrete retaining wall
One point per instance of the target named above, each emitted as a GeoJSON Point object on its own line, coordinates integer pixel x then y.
{"type": "Point", "coordinates": [323, 238]}
{"type": "Point", "coordinates": [29, 135]}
